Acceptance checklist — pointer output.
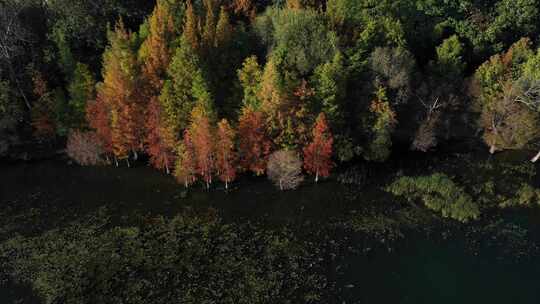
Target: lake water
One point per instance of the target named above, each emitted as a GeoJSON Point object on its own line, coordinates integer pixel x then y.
{"type": "Point", "coordinates": [465, 267]}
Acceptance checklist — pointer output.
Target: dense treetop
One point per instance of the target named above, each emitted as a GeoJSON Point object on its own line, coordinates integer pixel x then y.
{"type": "Point", "coordinates": [157, 77]}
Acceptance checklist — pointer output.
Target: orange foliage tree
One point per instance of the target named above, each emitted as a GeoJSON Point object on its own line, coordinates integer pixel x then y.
{"type": "Point", "coordinates": [254, 145]}
{"type": "Point", "coordinates": [120, 90]}
{"type": "Point", "coordinates": [155, 52]}
{"type": "Point", "coordinates": [210, 32]}
{"type": "Point", "coordinates": [225, 154]}
{"type": "Point", "coordinates": [285, 108]}
{"type": "Point", "coordinates": [245, 7]}
{"type": "Point", "coordinates": [209, 29]}
{"type": "Point", "coordinates": [203, 144]}
{"type": "Point", "coordinates": [185, 171]}
{"type": "Point", "coordinates": [318, 154]}
{"type": "Point", "coordinates": [161, 140]}
{"type": "Point", "coordinates": [99, 119]}
{"type": "Point", "coordinates": [192, 27]}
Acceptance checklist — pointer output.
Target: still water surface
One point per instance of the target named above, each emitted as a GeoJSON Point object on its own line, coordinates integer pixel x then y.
{"type": "Point", "coordinates": [418, 270]}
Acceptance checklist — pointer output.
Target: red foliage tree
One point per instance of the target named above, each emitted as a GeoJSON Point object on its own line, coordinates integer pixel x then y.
{"type": "Point", "coordinates": [99, 119]}
{"type": "Point", "coordinates": [318, 154]}
{"type": "Point", "coordinates": [185, 171]}
{"type": "Point", "coordinates": [161, 140]}
{"type": "Point", "coordinates": [225, 154]}
{"type": "Point", "coordinates": [254, 145]}
{"type": "Point", "coordinates": [203, 144]}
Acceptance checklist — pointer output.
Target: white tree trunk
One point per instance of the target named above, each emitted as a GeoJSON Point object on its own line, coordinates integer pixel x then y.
{"type": "Point", "coordinates": [492, 149]}
{"type": "Point", "coordinates": [167, 168]}
{"type": "Point", "coordinates": [536, 158]}
{"type": "Point", "coordinates": [116, 161]}
{"type": "Point", "coordinates": [317, 177]}
{"type": "Point", "coordinates": [127, 161]}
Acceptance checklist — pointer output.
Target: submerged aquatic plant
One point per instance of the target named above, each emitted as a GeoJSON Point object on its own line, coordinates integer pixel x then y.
{"type": "Point", "coordinates": [527, 195]}
{"type": "Point", "coordinates": [191, 258]}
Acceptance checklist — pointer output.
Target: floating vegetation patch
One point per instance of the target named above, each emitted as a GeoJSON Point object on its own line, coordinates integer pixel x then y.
{"type": "Point", "coordinates": [526, 196]}
{"type": "Point", "coordinates": [383, 227]}
{"type": "Point", "coordinates": [192, 258]}
{"type": "Point", "coordinates": [493, 183]}
{"type": "Point", "coordinates": [32, 213]}
{"type": "Point", "coordinates": [438, 193]}
{"type": "Point", "coordinates": [356, 175]}
{"type": "Point", "coordinates": [380, 227]}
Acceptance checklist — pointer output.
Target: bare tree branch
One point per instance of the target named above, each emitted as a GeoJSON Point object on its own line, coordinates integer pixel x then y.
{"type": "Point", "coordinates": [531, 94]}
{"type": "Point", "coordinates": [13, 38]}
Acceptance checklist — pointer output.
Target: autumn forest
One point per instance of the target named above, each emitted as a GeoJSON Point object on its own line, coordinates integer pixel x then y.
{"type": "Point", "coordinates": [211, 89]}
{"type": "Point", "coordinates": [269, 151]}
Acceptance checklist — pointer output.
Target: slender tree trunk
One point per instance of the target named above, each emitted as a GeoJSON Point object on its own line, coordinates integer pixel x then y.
{"type": "Point", "coordinates": [135, 155]}
{"type": "Point", "coordinates": [226, 184]}
{"type": "Point", "coordinates": [127, 161]}
{"type": "Point", "coordinates": [495, 131]}
{"type": "Point", "coordinates": [317, 177]}
{"type": "Point", "coordinates": [116, 161]}
{"type": "Point", "coordinates": [167, 167]}
{"type": "Point", "coordinates": [536, 158]}
{"type": "Point", "coordinates": [280, 185]}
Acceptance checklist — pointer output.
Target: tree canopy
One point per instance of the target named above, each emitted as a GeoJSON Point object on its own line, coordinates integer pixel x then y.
{"type": "Point", "coordinates": [385, 74]}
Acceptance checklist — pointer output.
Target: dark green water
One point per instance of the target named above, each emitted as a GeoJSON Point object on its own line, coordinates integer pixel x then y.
{"type": "Point", "coordinates": [465, 267]}
{"type": "Point", "coordinates": [433, 272]}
